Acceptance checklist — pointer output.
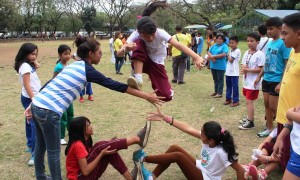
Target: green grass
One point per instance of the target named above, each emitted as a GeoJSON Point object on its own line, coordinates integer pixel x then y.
{"type": "Point", "coordinates": [122, 115]}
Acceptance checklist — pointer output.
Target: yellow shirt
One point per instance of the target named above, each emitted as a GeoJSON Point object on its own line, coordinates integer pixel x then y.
{"type": "Point", "coordinates": [289, 95]}
{"type": "Point", "coordinates": [183, 39]}
{"type": "Point", "coordinates": [117, 44]}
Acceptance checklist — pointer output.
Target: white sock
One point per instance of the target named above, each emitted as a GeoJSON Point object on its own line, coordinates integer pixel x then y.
{"type": "Point", "coordinates": [150, 177]}
{"type": "Point", "coordinates": [139, 78]}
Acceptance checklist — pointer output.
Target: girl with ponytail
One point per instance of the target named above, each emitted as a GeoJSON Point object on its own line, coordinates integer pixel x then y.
{"type": "Point", "coordinates": [148, 44]}
{"type": "Point", "coordinates": [217, 153]}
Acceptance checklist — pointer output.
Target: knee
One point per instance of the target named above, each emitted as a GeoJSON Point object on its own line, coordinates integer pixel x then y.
{"type": "Point", "coordinates": [173, 148]}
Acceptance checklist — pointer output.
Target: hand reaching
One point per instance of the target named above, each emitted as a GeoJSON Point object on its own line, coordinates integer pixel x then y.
{"type": "Point", "coordinates": [154, 99]}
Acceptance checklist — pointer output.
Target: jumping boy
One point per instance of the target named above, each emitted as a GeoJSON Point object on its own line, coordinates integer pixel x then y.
{"type": "Point", "coordinates": [277, 55]}
{"type": "Point", "coordinates": [252, 63]}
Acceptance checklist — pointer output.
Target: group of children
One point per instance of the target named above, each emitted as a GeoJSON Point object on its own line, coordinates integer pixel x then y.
{"type": "Point", "coordinates": [46, 106]}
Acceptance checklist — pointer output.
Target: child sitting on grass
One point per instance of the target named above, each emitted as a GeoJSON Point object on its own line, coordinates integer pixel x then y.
{"type": "Point", "coordinates": [88, 161]}
{"type": "Point", "coordinates": [217, 153]}
{"type": "Point", "coordinates": [262, 155]}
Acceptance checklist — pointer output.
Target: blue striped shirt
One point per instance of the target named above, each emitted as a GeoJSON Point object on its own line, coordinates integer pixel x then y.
{"type": "Point", "coordinates": [61, 91]}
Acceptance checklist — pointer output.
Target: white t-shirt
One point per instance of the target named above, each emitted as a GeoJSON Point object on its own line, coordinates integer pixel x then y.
{"type": "Point", "coordinates": [232, 69]}
{"type": "Point", "coordinates": [157, 49]}
{"type": "Point", "coordinates": [273, 134]}
{"type": "Point", "coordinates": [35, 83]}
{"type": "Point", "coordinates": [252, 61]}
{"type": "Point", "coordinates": [213, 162]}
{"type": "Point", "coordinates": [263, 43]}
{"type": "Point", "coordinates": [295, 137]}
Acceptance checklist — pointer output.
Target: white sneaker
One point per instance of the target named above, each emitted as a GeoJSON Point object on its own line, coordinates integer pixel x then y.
{"type": "Point", "coordinates": [256, 154]}
{"type": "Point", "coordinates": [31, 161]}
{"type": "Point", "coordinates": [63, 142]}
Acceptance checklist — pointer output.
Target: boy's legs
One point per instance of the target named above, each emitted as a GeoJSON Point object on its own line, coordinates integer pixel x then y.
{"type": "Point", "coordinates": [89, 90]}
{"type": "Point", "coordinates": [175, 154]}
{"type": "Point", "coordinates": [70, 115]}
{"type": "Point", "coordinates": [250, 95]}
{"type": "Point", "coordinates": [250, 109]}
{"type": "Point", "coordinates": [229, 88]}
{"type": "Point", "coordinates": [157, 72]}
{"type": "Point", "coordinates": [235, 89]}
{"type": "Point", "coordinates": [181, 68]}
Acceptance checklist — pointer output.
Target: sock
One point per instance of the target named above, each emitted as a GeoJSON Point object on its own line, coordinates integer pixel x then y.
{"type": "Point", "coordinates": [139, 78]}
{"type": "Point", "coordinates": [150, 177]}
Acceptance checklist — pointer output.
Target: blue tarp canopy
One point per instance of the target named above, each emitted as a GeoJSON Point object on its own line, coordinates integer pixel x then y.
{"type": "Point", "coordinates": [195, 26]}
{"type": "Point", "coordinates": [229, 26]}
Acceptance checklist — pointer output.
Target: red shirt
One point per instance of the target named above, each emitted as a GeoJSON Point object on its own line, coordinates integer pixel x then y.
{"type": "Point", "coordinates": [77, 151]}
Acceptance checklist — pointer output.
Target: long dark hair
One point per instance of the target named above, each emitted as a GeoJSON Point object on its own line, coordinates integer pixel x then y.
{"type": "Point", "coordinates": [213, 130]}
{"type": "Point", "coordinates": [146, 25]}
{"type": "Point", "coordinates": [77, 130]}
{"type": "Point", "coordinates": [85, 45]}
{"type": "Point", "coordinates": [24, 51]}
{"type": "Point", "coordinates": [61, 49]}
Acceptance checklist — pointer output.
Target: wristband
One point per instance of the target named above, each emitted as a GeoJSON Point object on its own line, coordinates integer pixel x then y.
{"type": "Point", "coordinates": [168, 119]}
{"type": "Point", "coordinates": [288, 126]}
{"type": "Point", "coordinates": [172, 121]}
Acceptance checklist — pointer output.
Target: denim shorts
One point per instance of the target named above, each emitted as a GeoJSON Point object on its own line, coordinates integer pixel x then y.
{"type": "Point", "coordinates": [293, 165]}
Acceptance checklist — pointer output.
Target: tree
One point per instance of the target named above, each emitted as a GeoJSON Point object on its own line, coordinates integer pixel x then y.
{"type": "Point", "coordinates": [88, 18]}
{"type": "Point", "coordinates": [288, 4]}
{"type": "Point", "coordinates": [8, 10]}
{"type": "Point", "coordinates": [115, 10]}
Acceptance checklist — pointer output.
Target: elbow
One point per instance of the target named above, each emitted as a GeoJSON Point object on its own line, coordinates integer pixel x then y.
{"type": "Point", "coordinates": [85, 173]}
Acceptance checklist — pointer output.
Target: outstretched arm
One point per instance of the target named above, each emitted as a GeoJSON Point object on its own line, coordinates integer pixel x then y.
{"type": "Point", "coordinates": [199, 60]}
{"type": "Point", "coordinates": [239, 170]}
{"type": "Point", "coordinates": [158, 116]}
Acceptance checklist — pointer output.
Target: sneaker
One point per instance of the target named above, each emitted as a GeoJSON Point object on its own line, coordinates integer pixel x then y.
{"type": "Point", "coordinates": [227, 102]}
{"type": "Point", "coordinates": [247, 125]}
{"type": "Point", "coordinates": [256, 154]}
{"type": "Point", "coordinates": [31, 161]}
{"type": "Point", "coordinates": [90, 98]}
{"type": "Point", "coordinates": [81, 99]}
{"type": "Point", "coordinates": [143, 134]}
{"type": "Point", "coordinates": [138, 156]}
{"type": "Point", "coordinates": [136, 173]}
{"type": "Point", "coordinates": [174, 81]}
{"type": "Point", "coordinates": [257, 174]}
{"type": "Point", "coordinates": [132, 82]}
{"type": "Point", "coordinates": [147, 175]}
{"type": "Point", "coordinates": [181, 82]}
{"type": "Point", "coordinates": [243, 121]}
{"type": "Point", "coordinates": [63, 142]}
{"type": "Point", "coordinates": [264, 133]}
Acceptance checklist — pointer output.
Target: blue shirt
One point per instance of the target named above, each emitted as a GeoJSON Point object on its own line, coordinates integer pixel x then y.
{"type": "Point", "coordinates": [61, 91]}
{"type": "Point", "coordinates": [216, 49]}
{"type": "Point", "coordinates": [200, 45]}
{"type": "Point", "coordinates": [276, 55]}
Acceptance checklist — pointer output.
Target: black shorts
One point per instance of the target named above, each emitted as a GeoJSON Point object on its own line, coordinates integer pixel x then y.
{"type": "Point", "coordinates": [269, 87]}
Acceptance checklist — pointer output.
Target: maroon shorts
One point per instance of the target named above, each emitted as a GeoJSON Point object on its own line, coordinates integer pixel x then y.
{"type": "Point", "coordinates": [156, 72]}
{"type": "Point", "coordinates": [269, 147]}
{"type": "Point", "coordinates": [250, 94]}
{"type": "Point", "coordinates": [286, 148]}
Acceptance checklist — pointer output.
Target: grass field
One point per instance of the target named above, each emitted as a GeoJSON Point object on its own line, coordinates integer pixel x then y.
{"type": "Point", "coordinates": [122, 115]}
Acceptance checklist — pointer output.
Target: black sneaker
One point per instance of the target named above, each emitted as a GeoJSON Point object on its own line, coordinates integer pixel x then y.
{"type": "Point", "coordinates": [247, 125]}
{"type": "Point", "coordinates": [174, 81]}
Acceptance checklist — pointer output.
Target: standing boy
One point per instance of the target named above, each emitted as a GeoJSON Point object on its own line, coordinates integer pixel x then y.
{"type": "Point", "coordinates": [179, 59]}
{"type": "Point", "coordinates": [277, 55]}
{"type": "Point", "coordinates": [252, 63]}
{"type": "Point", "coordinates": [288, 98]}
{"type": "Point", "coordinates": [232, 73]}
